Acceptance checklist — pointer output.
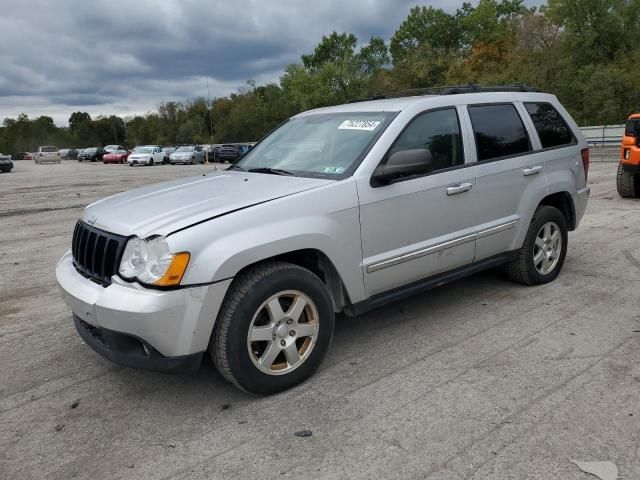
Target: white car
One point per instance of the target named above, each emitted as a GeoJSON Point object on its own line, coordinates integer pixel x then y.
{"type": "Point", "coordinates": [146, 155]}
{"type": "Point", "coordinates": [46, 154]}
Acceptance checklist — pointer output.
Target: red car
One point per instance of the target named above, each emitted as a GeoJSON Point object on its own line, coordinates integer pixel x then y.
{"type": "Point", "coordinates": [117, 156]}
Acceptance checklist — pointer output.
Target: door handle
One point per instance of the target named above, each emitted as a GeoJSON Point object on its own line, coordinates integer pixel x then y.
{"type": "Point", "coordinates": [460, 188]}
{"type": "Point", "coordinates": [531, 170]}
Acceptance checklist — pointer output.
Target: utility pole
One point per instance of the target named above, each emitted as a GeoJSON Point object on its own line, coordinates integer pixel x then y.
{"type": "Point", "coordinates": [210, 116]}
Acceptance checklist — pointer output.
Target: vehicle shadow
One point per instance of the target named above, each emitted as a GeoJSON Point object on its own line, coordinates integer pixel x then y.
{"type": "Point", "coordinates": [353, 338]}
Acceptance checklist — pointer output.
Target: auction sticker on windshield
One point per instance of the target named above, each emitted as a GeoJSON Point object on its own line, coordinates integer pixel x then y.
{"type": "Point", "coordinates": [359, 125]}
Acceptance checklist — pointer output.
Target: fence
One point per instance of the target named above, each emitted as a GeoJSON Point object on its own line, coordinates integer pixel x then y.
{"type": "Point", "coordinates": [603, 135]}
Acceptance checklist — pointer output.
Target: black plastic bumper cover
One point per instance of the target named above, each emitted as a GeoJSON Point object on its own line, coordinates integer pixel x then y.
{"type": "Point", "coordinates": [630, 168]}
{"type": "Point", "coordinates": [131, 351]}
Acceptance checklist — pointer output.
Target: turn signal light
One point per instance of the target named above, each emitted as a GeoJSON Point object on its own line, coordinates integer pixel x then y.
{"type": "Point", "coordinates": [175, 272]}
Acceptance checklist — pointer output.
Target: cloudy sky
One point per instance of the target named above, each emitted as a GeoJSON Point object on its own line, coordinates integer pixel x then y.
{"type": "Point", "coordinates": [126, 56]}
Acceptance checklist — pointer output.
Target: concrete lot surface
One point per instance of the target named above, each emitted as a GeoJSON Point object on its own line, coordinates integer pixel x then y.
{"type": "Point", "coordinates": [479, 379]}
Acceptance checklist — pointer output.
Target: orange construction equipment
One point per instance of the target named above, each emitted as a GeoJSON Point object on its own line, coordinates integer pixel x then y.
{"type": "Point", "coordinates": [629, 167]}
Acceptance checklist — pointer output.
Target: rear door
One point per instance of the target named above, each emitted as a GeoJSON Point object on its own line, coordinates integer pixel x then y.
{"type": "Point", "coordinates": [510, 175]}
{"type": "Point", "coordinates": [419, 226]}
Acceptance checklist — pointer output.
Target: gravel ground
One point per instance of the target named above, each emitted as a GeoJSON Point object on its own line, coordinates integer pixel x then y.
{"type": "Point", "coordinates": [478, 379]}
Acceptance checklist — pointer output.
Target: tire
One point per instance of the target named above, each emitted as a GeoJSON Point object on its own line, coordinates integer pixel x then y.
{"type": "Point", "coordinates": [150, 162]}
{"type": "Point", "coordinates": [245, 306]}
{"type": "Point", "coordinates": [193, 160]}
{"type": "Point", "coordinates": [628, 184]}
{"type": "Point", "coordinates": [523, 269]}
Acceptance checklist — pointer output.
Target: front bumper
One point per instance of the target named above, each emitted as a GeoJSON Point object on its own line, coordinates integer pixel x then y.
{"type": "Point", "coordinates": [141, 327]}
{"type": "Point", "coordinates": [139, 161]}
{"type": "Point", "coordinates": [631, 168]}
{"type": "Point", "coordinates": [132, 351]}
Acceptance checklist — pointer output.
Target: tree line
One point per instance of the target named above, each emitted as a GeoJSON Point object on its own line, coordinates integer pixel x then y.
{"type": "Point", "coordinates": [580, 50]}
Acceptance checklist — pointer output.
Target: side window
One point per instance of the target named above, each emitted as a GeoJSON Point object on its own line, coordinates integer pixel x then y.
{"type": "Point", "coordinates": [498, 130]}
{"type": "Point", "coordinates": [551, 127]}
{"type": "Point", "coordinates": [439, 132]}
{"type": "Point", "coordinates": [632, 127]}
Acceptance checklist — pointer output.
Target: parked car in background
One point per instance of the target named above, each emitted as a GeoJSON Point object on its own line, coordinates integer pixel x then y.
{"type": "Point", "coordinates": [229, 153]}
{"type": "Point", "coordinates": [68, 154]}
{"type": "Point", "coordinates": [628, 178]}
{"type": "Point", "coordinates": [211, 152]}
{"type": "Point", "coordinates": [91, 154]}
{"type": "Point", "coordinates": [146, 155]}
{"type": "Point", "coordinates": [19, 155]}
{"type": "Point", "coordinates": [113, 148]}
{"type": "Point", "coordinates": [167, 152]}
{"type": "Point", "coordinates": [27, 156]}
{"type": "Point", "coordinates": [187, 154]}
{"type": "Point", "coordinates": [46, 154]}
{"type": "Point", "coordinates": [116, 156]}
{"type": "Point", "coordinates": [5, 163]}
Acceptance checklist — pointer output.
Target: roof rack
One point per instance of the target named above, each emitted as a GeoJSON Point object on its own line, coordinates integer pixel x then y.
{"type": "Point", "coordinates": [450, 90]}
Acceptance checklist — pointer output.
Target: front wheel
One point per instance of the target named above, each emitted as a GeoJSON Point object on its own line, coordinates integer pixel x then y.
{"type": "Point", "coordinates": [544, 249]}
{"type": "Point", "coordinates": [151, 162]}
{"type": "Point", "coordinates": [628, 183]}
{"type": "Point", "coordinates": [274, 328]}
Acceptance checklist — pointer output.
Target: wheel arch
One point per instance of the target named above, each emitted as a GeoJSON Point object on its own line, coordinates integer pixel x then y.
{"type": "Point", "coordinates": [563, 202]}
{"type": "Point", "coordinates": [319, 264]}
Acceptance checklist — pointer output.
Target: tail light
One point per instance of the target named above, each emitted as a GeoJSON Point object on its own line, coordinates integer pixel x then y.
{"type": "Point", "coordinates": [585, 162]}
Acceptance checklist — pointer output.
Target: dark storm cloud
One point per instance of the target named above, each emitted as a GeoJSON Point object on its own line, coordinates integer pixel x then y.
{"type": "Point", "coordinates": [126, 56]}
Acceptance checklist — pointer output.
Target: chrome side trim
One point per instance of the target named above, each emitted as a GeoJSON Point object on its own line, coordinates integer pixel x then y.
{"type": "Point", "coordinates": [407, 257]}
{"type": "Point", "coordinates": [497, 229]}
{"type": "Point", "coordinates": [374, 267]}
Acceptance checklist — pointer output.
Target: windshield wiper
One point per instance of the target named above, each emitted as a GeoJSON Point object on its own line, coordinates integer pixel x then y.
{"type": "Point", "coordinates": [273, 171]}
{"type": "Point", "coordinates": [236, 167]}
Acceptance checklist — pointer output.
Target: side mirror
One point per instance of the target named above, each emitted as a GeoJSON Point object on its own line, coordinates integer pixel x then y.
{"type": "Point", "coordinates": [404, 163]}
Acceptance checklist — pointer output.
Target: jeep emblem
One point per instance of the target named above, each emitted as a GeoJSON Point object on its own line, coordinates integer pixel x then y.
{"type": "Point", "coordinates": [92, 219]}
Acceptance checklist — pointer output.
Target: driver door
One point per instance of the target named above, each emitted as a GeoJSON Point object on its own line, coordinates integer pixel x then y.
{"type": "Point", "coordinates": [419, 226]}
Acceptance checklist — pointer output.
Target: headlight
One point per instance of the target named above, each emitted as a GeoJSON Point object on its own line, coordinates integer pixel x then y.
{"type": "Point", "coordinates": [150, 262]}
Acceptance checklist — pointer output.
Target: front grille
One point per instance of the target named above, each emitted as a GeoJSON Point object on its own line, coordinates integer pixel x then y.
{"type": "Point", "coordinates": [96, 253]}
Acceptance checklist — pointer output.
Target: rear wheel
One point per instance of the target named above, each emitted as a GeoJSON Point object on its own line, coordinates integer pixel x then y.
{"type": "Point", "coordinates": [628, 183]}
{"type": "Point", "coordinates": [544, 249]}
{"type": "Point", "coordinates": [274, 328]}
{"type": "Point", "coordinates": [151, 162]}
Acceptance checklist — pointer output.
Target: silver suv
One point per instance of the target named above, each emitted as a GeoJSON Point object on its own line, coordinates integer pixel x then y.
{"type": "Point", "coordinates": [340, 209]}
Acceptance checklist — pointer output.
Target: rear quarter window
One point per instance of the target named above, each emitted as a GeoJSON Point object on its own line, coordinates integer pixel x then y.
{"type": "Point", "coordinates": [551, 127]}
{"type": "Point", "coordinates": [498, 131]}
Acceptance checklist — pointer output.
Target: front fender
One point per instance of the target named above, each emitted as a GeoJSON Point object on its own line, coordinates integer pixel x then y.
{"type": "Point", "coordinates": [325, 219]}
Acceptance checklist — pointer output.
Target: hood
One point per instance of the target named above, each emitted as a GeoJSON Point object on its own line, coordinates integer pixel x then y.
{"type": "Point", "coordinates": [139, 155]}
{"type": "Point", "coordinates": [169, 206]}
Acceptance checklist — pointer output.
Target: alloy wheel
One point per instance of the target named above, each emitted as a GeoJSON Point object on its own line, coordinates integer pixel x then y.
{"type": "Point", "coordinates": [547, 248]}
{"type": "Point", "coordinates": [283, 332]}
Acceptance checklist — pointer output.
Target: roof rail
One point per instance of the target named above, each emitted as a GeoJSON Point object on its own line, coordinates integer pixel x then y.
{"type": "Point", "coordinates": [474, 87]}
{"type": "Point", "coordinates": [450, 90]}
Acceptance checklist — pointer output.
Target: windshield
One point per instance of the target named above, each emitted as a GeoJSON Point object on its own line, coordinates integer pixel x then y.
{"type": "Point", "coordinates": [143, 150]}
{"type": "Point", "coordinates": [632, 127]}
{"type": "Point", "coordinates": [184, 149]}
{"type": "Point", "coordinates": [323, 145]}
{"type": "Point", "coordinates": [90, 150]}
{"type": "Point", "coordinates": [48, 149]}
